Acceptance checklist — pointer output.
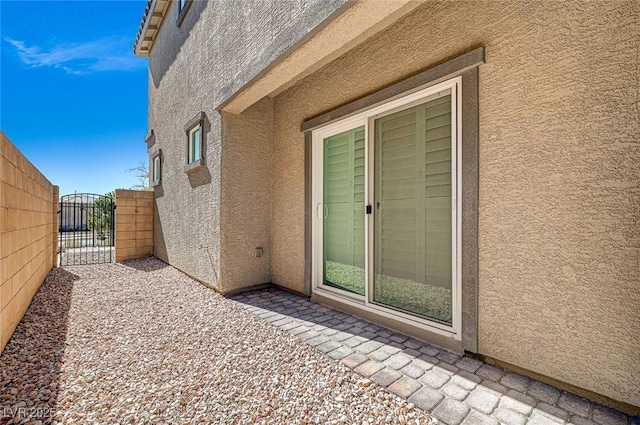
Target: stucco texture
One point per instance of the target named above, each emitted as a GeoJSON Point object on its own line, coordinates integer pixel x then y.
{"type": "Point", "coordinates": [187, 208]}
{"type": "Point", "coordinates": [246, 197]}
{"type": "Point", "coordinates": [193, 67]}
{"type": "Point", "coordinates": [559, 234]}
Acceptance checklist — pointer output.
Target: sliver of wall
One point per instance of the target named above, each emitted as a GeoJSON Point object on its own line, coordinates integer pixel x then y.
{"type": "Point", "coordinates": [28, 234]}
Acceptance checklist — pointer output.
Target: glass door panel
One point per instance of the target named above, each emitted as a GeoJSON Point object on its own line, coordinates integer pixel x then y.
{"type": "Point", "coordinates": [412, 254]}
{"type": "Point", "coordinates": [343, 224]}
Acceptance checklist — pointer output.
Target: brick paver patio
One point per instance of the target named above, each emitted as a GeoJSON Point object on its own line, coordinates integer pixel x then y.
{"type": "Point", "coordinates": [457, 390]}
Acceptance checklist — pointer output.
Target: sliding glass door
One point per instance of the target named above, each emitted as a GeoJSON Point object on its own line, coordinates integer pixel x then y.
{"type": "Point", "coordinates": [412, 195]}
{"type": "Point", "coordinates": [343, 210]}
{"type": "Point", "coordinates": [385, 222]}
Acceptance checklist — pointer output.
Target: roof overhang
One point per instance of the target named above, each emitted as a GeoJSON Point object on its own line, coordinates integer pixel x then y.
{"type": "Point", "coordinates": [340, 33]}
{"type": "Point", "coordinates": [152, 19]}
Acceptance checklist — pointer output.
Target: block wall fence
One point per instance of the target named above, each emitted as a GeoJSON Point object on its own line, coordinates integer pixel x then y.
{"type": "Point", "coordinates": [134, 224]}
{"type": "Point", "coordinates": [28, 234]}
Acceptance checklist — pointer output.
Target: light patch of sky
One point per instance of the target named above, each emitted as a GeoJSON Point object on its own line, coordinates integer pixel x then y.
{"type": "Point", "coordinates": [110, 53]}
{"type": "Point", "coordinates": [73, 96]}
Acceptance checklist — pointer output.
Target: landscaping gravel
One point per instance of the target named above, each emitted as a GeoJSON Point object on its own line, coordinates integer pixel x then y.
{"type": "Point", "coordinates": [142, 343]}
{"type": "Point", "coordinates": [87, 255]}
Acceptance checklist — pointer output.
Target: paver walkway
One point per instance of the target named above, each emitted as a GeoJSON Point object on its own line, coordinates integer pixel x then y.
{"type": "Point", "coordinates": [457, 390]}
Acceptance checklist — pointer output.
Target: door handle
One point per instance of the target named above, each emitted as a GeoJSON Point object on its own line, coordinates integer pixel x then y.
{"type": "Point", "coordinates": [326, 211]}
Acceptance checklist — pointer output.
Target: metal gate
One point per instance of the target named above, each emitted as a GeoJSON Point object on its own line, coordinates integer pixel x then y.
{"type": "Point", "coordinates": [86, 229]}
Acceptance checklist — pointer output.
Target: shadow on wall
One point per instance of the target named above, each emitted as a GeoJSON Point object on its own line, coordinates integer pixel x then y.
{"type": "Point", "coordinates": [199, 177]}
{"type": "Point", "coordinates": [159, 64]}
{"type": "Point", "coordinates": [158, 191]}
{"type": "Point", "coordinates": [31, 361]}
{"type": "Point", "coordinates": [159, 244]}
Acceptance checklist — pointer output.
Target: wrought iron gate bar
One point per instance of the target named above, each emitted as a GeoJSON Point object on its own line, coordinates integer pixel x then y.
{"type": "Point", "coordinates": [86, 229]}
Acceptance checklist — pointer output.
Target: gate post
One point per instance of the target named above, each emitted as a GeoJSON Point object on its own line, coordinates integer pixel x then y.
{"type": "Point", "coordinates": [133, 224]}
{"type": "Point", "coordinates": [56, 225]}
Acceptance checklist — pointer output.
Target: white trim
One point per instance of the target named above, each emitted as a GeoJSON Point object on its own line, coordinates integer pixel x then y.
{"type": "Point", "coordinates": [365, 118]}
{"type": "Point", "coordinates": [456, 207]}
{"type": "Point", "coordinates": [368, 224]}
{"type": "Point", "coordinates": [458, 240]}
{"type": "Point", "coordinates": [157, 169]}
{"type": "Point", "coordinates": [190, 151]}
{"type": "Point", "coordinates": [370, 196]}
{"type": "Point", "coordinates": [317, 190]}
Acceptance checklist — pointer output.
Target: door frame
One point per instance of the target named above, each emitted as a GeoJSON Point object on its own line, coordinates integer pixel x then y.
{"type": "Point", "coordinates": [366, 119]}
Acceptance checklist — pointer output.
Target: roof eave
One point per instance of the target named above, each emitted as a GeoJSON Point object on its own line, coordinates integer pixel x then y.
{"type": "Point", "coordinates": [152, 19]}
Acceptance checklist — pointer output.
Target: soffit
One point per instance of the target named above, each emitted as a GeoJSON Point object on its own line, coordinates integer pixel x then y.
{"type": "Point", "coordinates": [152, 19]}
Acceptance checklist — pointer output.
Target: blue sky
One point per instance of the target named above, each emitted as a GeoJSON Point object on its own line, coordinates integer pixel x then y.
{"type": "Point", "coordinates": [73, 96]}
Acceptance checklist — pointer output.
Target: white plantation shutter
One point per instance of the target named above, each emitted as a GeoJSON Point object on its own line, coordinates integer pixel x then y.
{"type": "Point", "coordinates": [413, 194]}
{"type": "Point", "coordinates": [343, 196]}
{"type": "Point", "coordinates": [395, 198]}
{"type": "Point", "coordinates": [338, 197]}
{"type": "Point", "coordinates": [357, 239]}
{"type": "Point", "coordinates": [437, 191]}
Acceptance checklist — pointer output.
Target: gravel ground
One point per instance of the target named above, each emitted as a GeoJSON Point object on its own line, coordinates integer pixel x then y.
{"type": "Point", "coordinates": [87, 255]}
{"type": "Point", "coordinates": [142, 343]}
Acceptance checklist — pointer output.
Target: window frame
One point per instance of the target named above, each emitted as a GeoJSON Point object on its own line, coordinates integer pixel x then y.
{"type": "Point", "coordinates": [192, 144]}
{"type": "Point", "coordinates": [183, 8]}
{"type": "Point", "coordinates": [366, 118]}
{"type": "Point", "coordinates": [156, 169]}
{"type": "Point", "coordinates": [195, 124]}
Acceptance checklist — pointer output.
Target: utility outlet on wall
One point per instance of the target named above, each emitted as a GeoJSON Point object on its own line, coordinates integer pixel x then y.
{"type": "Point", "coordinates": [258, 252]}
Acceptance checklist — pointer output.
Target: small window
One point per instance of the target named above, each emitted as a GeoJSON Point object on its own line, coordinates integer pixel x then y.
{"type": "Point", "coordinates": [183, 7]}
{"type": "Point", "coordinates": [156, 169]}
{"type": "Point", "coordinates": [195, 148]}
{"type": "Point", "coordinates": [195, 144]}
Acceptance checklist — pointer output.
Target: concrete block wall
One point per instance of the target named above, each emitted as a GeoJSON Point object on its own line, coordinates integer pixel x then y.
{"type": "Point", "coordinates": [28, 234]}
{"type": "Point", "coordinates": [134, 224]}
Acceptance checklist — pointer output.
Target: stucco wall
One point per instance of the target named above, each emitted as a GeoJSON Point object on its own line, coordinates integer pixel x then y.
{"type": "Point", "coordinates": [218, 48]}
{"type": "Point", "coordinates": [134, 224]}
{"type": "Point", "coordinates": [246, 197]}
{"type": "Point", "coordinates": [186, 230]}
{"type": "Point", "coordinates": [559, 176]}
{"type": "Point", "coordinates": [28, 234]}
{"type": "Point", "coordinates": [252, 34]}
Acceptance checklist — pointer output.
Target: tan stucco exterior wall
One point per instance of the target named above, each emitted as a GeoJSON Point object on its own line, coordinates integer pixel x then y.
{"type": "Point", "coordinates": [134, 224]}
{"type": "Point", "coordinates": [181, 85]}
{"type": "Point", "coordinates": [28, 234]}
{"type": "Point", "coordinates": [195, 64]}
{"type": "Point", "coordinates": [559, 231]}
{"type": "Point", "coordinates": [245, 199]}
